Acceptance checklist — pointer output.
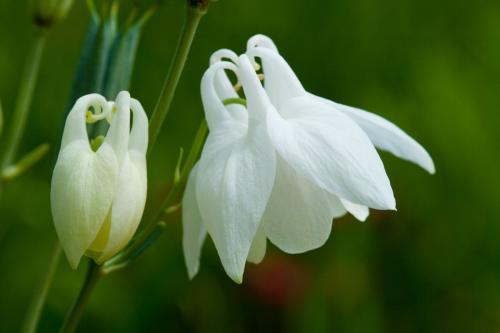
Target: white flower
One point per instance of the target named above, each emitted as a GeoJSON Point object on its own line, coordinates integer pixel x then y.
{"type": "Point", "coordinates": [233, 178]}
{"type": "Point", "coordinates": [98, 198]}
{"type": "Point", "coordinates": [281, 84]}
{"type": "Point", "coordinates": [320, 163]}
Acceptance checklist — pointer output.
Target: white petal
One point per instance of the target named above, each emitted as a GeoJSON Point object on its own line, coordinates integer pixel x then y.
{"type": "Point", "coordinates": [119, 130]}
{"type": "Point", "coordinates": [234, 182]}
{"type": "Point", "coordinates": [261, 41]}
{"type": "Point", "coordinates": [82, 189]}
{"type": "Point", "coordinates": [224, 88]}
{"type": "Point", "coordinates": [258, 102]}
{"type": "Point", "coordinates": [280, 81]}
{"type": "Point", "coordinates": [358, 211]}
{"type": "Point", "coordinates": [299, 214]}
{"type": "Point", "coordinates": [387, 136]}
{"type": "Point", "coordinates": [215, 111]}
{"type": "Point", "coordinates": [75, 126]}
{"type": "Point", "coordinates": [140, 128]}
{"type": "Point", "coordinates": [258, 248]}
{"type": "Point", "coordinates": [193, 230]}
{"type": "Point", "coordinates": [128, 204]}
{"type": "Point", "coordinates": [130, 197]}
{"type": "Point", "coordinates": [330, 150]}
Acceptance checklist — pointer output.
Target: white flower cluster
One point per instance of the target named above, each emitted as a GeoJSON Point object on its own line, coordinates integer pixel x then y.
{"type": "Point", "coordinates": [283, 164]}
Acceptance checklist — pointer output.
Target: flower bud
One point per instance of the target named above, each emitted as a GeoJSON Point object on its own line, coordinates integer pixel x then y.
{"type": "Point", "coordinates": [49, 12]}
{"type": "Point", "coordinates": [201, 5]}
{"type": "Point", "coordinates": [98, 197]}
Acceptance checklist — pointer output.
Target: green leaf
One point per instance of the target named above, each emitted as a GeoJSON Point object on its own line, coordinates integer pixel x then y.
{"type": "Point", "coordinates": [125, 257]}
{"type": "Point", "coordinates": [177, 172]}
{"type": "Point", "coordinates": [108, 37]}
{"type": "Point", "coordinates": [85, 73]}
{"type": "Point", "coordinates": [122, 61]}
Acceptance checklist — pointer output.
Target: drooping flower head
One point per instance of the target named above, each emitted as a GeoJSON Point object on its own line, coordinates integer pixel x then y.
{"type": "Point", "coordinates": [98, 192]}
{"type": "Point", "coordinates": [281, 83]}
{"type": "Point", "coordinates": [283, 166]}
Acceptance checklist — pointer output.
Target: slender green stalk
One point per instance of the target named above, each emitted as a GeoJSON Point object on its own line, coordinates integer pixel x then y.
{"type": "Point", "coordinates": [24, 97]}
{"type": "Point", "coordinates": [194, 15]}
{"type": "Point", "coordinates": [93, 275]}
{"type": "Point", "coordinates": [237, 100]}
{"type": "Point", "coordinates": [35, 309]}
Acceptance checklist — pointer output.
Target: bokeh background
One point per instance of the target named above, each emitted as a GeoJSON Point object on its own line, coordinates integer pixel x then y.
{"type": "Point", "coordinates": [432, 67]}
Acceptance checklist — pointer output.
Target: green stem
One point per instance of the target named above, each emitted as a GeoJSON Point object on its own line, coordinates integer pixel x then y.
{"type": "Point", "coordinates": [235, 100]}
{"type": "Point", "coordinates": [24, 97]}
{"type": "Point", "coordinates": [194, 16]}
{"type": "Point", "coordinates": [93, 275]}
{"type": "Point", "coordinates": [35, 309]}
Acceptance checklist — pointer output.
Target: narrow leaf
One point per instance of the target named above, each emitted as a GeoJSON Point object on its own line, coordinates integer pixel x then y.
{"type": "Point", "coordinates": [125, 258]}
{"type": "Point", "coordinates": [84, 77]}
{"type": "Point", "coordinates": [177, 172]}
{"type": "Point", "coordinates": [25, 163]}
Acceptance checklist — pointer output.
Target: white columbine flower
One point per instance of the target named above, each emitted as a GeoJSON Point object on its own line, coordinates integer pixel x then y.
{"type": "Point", "coordinates": [228, 190]}
{"type": "Point", "coordinates": [281, 84]}
{"type": "Point", "coordinates": [97, 197]}
{"type": "Point", "coordinates": [283, 167]}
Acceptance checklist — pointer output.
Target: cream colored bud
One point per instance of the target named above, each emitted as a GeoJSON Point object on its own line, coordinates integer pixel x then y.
{"type": "Point", "coordinates": [98, 195]}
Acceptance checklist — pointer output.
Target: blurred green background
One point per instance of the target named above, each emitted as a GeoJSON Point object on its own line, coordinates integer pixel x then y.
{"type": "Point", "coordinates": [432, 67]}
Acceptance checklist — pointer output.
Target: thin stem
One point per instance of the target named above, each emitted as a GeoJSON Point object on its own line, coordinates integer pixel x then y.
{"type": "Point", "coordinates": [235, 100]}
{"type": "Point", "coordinates": [93, 275]}
{"type": "Point", "coordinates": [35, 309]}
{"type": "Point", "coordinates": [24, 97]}
{"type": "Point", "coordinates": [194, 16]}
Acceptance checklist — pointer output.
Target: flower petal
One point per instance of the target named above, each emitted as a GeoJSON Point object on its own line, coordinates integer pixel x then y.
{"type": "Point", "coordinates": [260, 40]}
{"type": "Point", "coordinates": [258, 248]}
{"type": "Point", "coordinates": [130, 199]}
{"type": "Point", "coordinates": [212, 84]}
{"type": "Point", "coordinates": [82, 190]}
{"type": "Point", "coordinates": [139, 133]}
{"type": "Point", "coordinates": [387, 136]}
{"type": "Point", "coordinates": [299, 214]}
{"type": "Point", "coordinates": [75, 126]}
{"type": "Point", "coordinates": [280, 81]}
{"type": "Point", "coordinates": [224, 88]}
{"type": "Point", "coordinates": [194, 232]}
{"type": "Point", "coordinates": [128, 204]}
{"type": "Point", "coordinates": [360, 212]}
{"type": "Point", "coordinates": [330, 150]}
{"type": "Point", "coordinates": [234, 182]}
{"type": "Point", "coordinates": [119, 131]}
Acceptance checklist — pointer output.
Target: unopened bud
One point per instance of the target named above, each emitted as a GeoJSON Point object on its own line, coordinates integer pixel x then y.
{"type": "Point", "coordinates": [49, 12]}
